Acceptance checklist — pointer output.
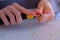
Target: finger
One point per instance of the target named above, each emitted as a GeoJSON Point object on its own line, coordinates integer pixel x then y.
{"type": "Point", "coordinates": [16, 13]}
{"type": "Point", "coordinates": [41, 6]}
{"type": "Point", "coordinates": [23, 10]}
{"type": "Point", "coordinates": [38, 12]}
{"type": "Point", "coordinates": [41, 19]}
{"type": "Point", "coordinates": [10, 15]}
{"type": "Point", "coordinates": [4, 19]}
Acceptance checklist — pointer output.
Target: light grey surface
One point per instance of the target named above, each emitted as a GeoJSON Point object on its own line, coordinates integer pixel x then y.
{"type": "Point", "coordinates": [55, 5]}
{"type": "Point", "coordinates": [31, 30]}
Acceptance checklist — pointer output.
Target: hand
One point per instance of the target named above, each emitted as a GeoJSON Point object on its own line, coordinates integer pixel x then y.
{"type": "Point", "coordinates": [46, 10]}
{"type": "Point", "coordinates": [14, 13]}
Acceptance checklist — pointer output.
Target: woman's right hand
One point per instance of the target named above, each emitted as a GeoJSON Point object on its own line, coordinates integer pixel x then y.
{"type": "Point", "coordinates": [14, 13]}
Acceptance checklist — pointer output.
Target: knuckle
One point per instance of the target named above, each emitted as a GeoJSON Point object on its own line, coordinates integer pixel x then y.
{"type": "Point", "coordinates": [11, 15]}
{"type": "Point", "coordinates": [18, 15]}
{"type": "Point", "coordinates": [9, 7]}
{"type": "Point", "coordinates": [14, 4]}
{"type": "Point", "coordinates": [1, 12]}
{"type": "Point", "coordinates": [17, 12]}
{"type": "Point", "coordinates": [21, 21]}
{"type": "Point", "coordinates": [4, 9]}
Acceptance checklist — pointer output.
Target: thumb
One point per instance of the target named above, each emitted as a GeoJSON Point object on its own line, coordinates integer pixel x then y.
{"type": "Point", "coordinates": [40, 9]}
{"type": "Point", "coordinates": [38, 12]}
{"type": "Point", "coordinates": [41, 6]}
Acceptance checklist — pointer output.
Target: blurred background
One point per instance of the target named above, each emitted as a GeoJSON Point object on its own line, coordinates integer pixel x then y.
{"type": "Point", "coordinates": [31, 4]}
{"type": "Point", "coordinates": [56, 5]}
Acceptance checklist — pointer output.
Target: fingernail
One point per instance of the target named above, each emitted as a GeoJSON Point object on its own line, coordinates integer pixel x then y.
{"type": "Point", "coordinates": [33, 13]}
{"type": "Point", "coordinates": [38, 12]}
{"type": "Point", "coordinates": [46, 12]}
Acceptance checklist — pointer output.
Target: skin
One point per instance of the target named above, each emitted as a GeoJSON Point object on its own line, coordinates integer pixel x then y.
{"type": "Point", "coordinates": [15, 10]}
{"type": "Point", "coordinates": [45, 6]}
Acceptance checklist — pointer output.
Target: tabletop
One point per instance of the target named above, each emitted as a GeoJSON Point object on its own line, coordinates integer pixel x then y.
{"type": "Point", "coordinates": [32, 30]}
